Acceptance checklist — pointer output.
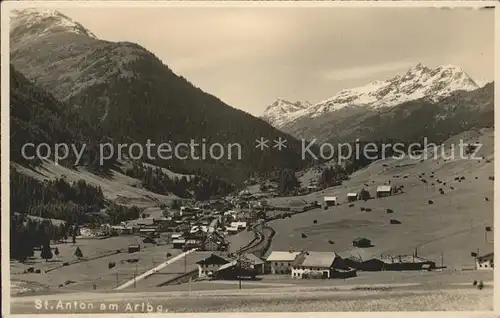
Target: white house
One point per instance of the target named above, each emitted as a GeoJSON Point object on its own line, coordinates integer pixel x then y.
{"type": "Point", "coordinates": [485, 262]}
{"type": "Point", "coordinates": [318, 263]}
{"type": "Point", "coordinates": [213, 225]}
{"type": "Point", "coordinates": [231, 230]}
{"type": "Point", "coordinates": [330, 201]}
{"type": "Point", "coordinates": [239, 225]}
{"type": "Point", "coordinates": [280, 262]}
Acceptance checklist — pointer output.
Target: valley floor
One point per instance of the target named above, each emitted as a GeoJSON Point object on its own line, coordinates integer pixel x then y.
{"type": "Point", "coordinates": [382, 291]}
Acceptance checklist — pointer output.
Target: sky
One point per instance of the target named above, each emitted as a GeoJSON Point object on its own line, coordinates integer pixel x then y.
{"type": "Point", "coordinates": [249, 57]}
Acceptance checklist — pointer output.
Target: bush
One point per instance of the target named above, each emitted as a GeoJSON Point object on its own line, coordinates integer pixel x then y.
{"type": "Point", "coordinates": [78, 252]}
{"type": "Point", "coordinates": [303, 235]}
{"type": "Point", "coordinates": [431, 202]}
{"type": "Point", "coordinates": [65, 263]}
{"type": "Point", "coordinates": [315, 221]}
{"type": "Point", "coordinates": [111, 265]}
{"type": "Point", "coordinates": [389, 211]}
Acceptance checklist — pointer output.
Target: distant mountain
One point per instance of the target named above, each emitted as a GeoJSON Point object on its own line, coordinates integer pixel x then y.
{"type": "Point", "coordinates": [123, 91]}
{"type": "Point", "coordinates": [409, 121]}
{"type": "Point", "coordinates": [417, 83]}
{"type": "Point", "coordinates": [282, 111]}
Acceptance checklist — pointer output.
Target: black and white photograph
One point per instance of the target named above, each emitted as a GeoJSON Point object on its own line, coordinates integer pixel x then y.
{"type": "Point", "coordinates": [212, 158]}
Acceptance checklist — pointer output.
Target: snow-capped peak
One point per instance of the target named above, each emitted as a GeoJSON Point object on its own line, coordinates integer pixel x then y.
{"type": "Point", "coordinates": [46, 21]}
{"type": "Point", "coordinates": [418, 82]}
{"type": "Point", "coordinates": [283, 110]}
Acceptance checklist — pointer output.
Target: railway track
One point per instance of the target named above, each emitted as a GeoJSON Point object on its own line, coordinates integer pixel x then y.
{"type": "Point", "coordinates": [259, 244]}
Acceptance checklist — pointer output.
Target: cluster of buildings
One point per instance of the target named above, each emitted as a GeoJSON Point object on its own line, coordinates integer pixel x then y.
{"type": "Point", "coordinates": [382, 191]}
{"type": "Point", "coordinates": [204, 225]}
{"type": "Point", "coordinates": [303, 265]}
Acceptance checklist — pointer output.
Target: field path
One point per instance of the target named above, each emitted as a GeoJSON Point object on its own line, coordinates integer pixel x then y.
{"type": "Point", "coordinates": [154, 270]}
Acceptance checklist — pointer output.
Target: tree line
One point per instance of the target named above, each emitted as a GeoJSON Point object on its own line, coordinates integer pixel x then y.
{"type": "Point", "coordinates": [198, 186]}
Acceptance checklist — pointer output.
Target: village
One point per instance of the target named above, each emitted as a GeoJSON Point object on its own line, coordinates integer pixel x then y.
{"type": "Point", "coordinates": [231, 238]}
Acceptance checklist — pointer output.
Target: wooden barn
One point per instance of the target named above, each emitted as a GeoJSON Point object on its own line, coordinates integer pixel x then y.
{"type": "Point", "coordinates": [329, 201]}
{"type": "Point", "coordinates": [384, 191]}
{"type": "Point", "coordinates": [352, 196]}
{"type": "Point", "coordinates": [361, 242]}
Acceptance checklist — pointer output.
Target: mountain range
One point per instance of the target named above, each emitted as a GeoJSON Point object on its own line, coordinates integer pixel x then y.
{"type": "Point", "coordinates": [124, 92]}
{"type": "Point", "coordinates": [418, 82]}
{"type": "Point", "coordinates": [96, 89]}
{"type": "Point", "coordinates": [444, 97]}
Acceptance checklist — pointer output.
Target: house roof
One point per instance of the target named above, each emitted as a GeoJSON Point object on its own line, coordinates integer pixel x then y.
{"type": "Point", "coordinates": [215, 259]}
{"type": "Point", "coordinates": [485, 257]}
{"type": "Point", "coordinates": [315, 259]}
{"type": "Point", "coordinates": [179, 241]}
{"type": "Point", "coordinates": [352, 194]}
{"type": "Point", "coordinates": [237, 224]}
{"type": "Point", "coordinates": [254, 259]}
{"type": "Point", "coordinates": [216, 237]}
{"type": "Point", "coordinates": [330, 198]}
{"type": "Point", "coordinates": [359, 239]}
{"type": "Point", "coordinates": [384, 188]}
{"type": "Point", "coordinates": [284, 256]}
{"type": "Point", "coordinates": [391, 259]}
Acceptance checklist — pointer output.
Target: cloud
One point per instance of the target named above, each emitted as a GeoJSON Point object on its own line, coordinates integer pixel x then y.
{"type": "Point", "coordinates": [360, 72]}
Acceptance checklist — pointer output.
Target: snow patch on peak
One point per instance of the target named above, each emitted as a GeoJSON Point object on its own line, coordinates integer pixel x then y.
{"type": "Point", "coordinates": [46, 21]}
{"type": "Point", "coordinates": [418, 82]}
{"type": "Point", "coordinates": [282, 111]}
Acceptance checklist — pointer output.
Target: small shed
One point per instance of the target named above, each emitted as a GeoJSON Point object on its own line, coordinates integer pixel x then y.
{"type": "Point", "coordinates": [352, 196]}
{"type": "Point", "coordinates": [330, 201]}
{"type": "Point", "coordinates": [384, 191]}
{"type": "Point", "coordinates": [178, 243]}
{"type": "Point", "coordinates": [362, 242]}
{"type": "Point", "coordinates": [134, 248]}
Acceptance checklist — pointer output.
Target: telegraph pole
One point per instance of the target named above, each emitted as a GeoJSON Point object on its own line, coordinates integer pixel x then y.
{"type": "Point", "coordinates": [135, 275]}
{"type": "Point", "coordinates": [442, 259]}
{"type": "Point", "coordinates": [185, 263]}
